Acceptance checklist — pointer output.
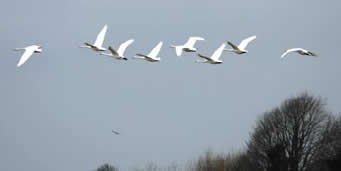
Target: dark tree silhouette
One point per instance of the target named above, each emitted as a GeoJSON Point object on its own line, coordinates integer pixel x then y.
{"type": "Point", "coordinates": [107, 167]}
{"type": "Point", "coordinates": [223, 162]}
{"type": "Point", "coordinates": [330, 151]}
{"type": "Point", "coordinates": [287, 137]}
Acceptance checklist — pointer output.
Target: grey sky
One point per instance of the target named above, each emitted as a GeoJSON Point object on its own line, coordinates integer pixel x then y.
{"type": "Point", "coordinates": [57, 111]}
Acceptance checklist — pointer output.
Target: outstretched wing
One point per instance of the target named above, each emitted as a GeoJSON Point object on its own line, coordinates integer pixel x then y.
{"type": "Point", "coordinates": [191, 41]}
{"type": "Point", "coordinates": [289, 51]}
{"type": "Point", "coordinates": [100, 37]}
{"type": "Point", "coordinates": [27, 54]}
{"type": "Point", "coordinates": [124, 46]}
{"type": "Point", "coordinates": [245, 42]}
{"type": "Point", "coordinates": [178, 50]}
{"type": "Point", "coordinates": [113, 51]}
{"type": "Point", "coordinates": [155, 51]}
{"type": "Point", "coordinates": [216, 55]}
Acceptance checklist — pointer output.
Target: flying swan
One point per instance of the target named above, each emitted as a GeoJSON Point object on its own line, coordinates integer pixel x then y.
{"type": "Point", "coordinates": [214, 59]}
{"type": "Point", "coordinates": [241, 48]}
{"type": "Point", "coordinates": [29, 50]}
{"type": "Point", "coordinates": [152, 56]}
{"type": "Point", "coordinates": [299, 51]}
{"type": "Point", "coordinates": [119, 54]}
{"type": "Point", "coordinates": [188, 46]}
{"type": "Point", "coordinates": [97, 46]}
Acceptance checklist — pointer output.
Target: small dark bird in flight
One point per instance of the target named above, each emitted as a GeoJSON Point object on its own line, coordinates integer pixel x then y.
{"type": "Point", "coordinates": [115, 132]}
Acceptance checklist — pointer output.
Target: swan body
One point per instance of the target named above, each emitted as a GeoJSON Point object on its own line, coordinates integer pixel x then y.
{"type": "Point", "coordinates": [153, 55]}
{"type": "Point", "coordinates": [241, 48]}
{"type": "Point", "coordinates": [188, 46]}
{"type": "Point", "coordinates": [29, 51]}
{"type": "Point", "coordinates": [97, 46]}
{"type": "Point", "coordinates": [119, 54]}
{"type": "Point", "coordinates": [214, 59]}
{"type": "Point", "coordinates": [300, 51]}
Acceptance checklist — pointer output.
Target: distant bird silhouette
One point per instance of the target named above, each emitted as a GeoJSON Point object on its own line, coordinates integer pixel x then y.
{"type": "Point", "coordinates": [115, 132]}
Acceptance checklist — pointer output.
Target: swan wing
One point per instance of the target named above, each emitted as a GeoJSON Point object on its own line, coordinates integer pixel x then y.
{"type": "Point", "coordinates": [216, 55]}
{"type": "Point", "coordinates": [100, 37]}
{"type": "Point", "coordinates": [124, 46]}
{"type": "Point", "coordinates": [245, 42]}
{"type": "Point", "coordinates": [191, 41]}
{"type": "Point", "coordinates": [155, 51]}
{"type": "Point", "coordinates": [289, 51]}
{"type": "Point", "coordinates": [27, 54]}
{"type": "Point", "coordinates": [178, 50]}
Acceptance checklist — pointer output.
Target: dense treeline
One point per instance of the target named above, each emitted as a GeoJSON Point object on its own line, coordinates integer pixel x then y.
{"type": "Point", "coordinates": [299, 135]}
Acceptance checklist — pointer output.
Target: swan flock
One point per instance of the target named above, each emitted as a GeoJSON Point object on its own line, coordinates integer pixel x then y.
{"type": "Point", "coordinates": [153, 55]}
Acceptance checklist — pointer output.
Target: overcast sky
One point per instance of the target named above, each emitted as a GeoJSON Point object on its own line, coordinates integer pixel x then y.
{"type": "Point", "coordinates": [57, 110]}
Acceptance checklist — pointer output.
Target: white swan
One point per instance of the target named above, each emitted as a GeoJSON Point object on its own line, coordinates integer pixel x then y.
{"type": "Point", "coordinates": [188, 46]}
{"type": "Point", "coordinates": [241, 48]}
{"type": "Point", "coordinates": [153, 55]}
{"type": "Point", "coordinates": [97, 46]}
{"type": "Point", "coordinates": [29, 50]}
{"type": "Point", "coordinates": [214, 59]}
{"type": "Point", "coordinates": [119, 54]}
{"type": "Point", "coordinates": [299, 51]}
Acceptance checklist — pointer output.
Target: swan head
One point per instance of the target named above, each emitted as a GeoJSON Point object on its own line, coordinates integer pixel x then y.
{"type": "Point", "coordinates": [218, 62]}
{"type": "Point", "coordinates": [241, 52]}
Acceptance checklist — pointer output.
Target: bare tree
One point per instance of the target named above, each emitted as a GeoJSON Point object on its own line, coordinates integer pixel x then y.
{"type": "Point", "coordinates": [329, 155]}
{"type": "Point", "coordinates": [288, 137]}
{"type": "Point", "coordinates": [107, 167]}
{"type": "Point", "coordinates": [223, 162]}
